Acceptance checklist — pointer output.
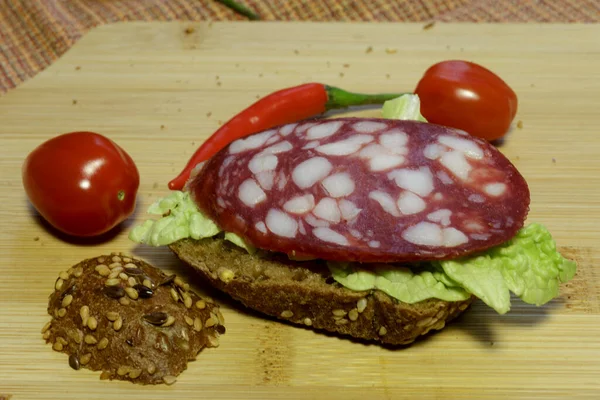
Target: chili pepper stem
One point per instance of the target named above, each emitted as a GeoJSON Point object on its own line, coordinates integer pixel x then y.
{"type": "Point", "coordinates": [340, 98]}
{"type": "Point", "coordinates": [240, 9]}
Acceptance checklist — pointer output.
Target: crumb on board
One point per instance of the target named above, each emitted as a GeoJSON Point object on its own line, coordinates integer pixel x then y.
{"type": "Point", "coordinates": [389, 50]}
{"type": "Point", "coordinates": [369, 49]}
{"type": "Point", "coordinates": [74, 101]}
{"type": "Point", "coordinates": [219, 83]}
{"type": "Point", "coordinates": [77, 68]}
{"type": "Point", "coordinates": [341, 74]}
{"type": "Point", "coordinates": [346, 65]}
{"type": "Point", "coordinates": [296, 51]}
{"type": "Point", "coordinates": [162, 127]}
{"type": "Point", "coordinates": [388, 76]}
{"type": "Point", "coordinates": [260, 75]}
{"type": "Point", "coordinates": [553, 160]}
{"type": "Point", "coordinates": [520, 124]}
{"type": "Point", "coordinates": [258, 96]}
{"type": "Point", "coordinates": [36, 238]}
{"type": "Point", "coordinates": [208, 114]}
{"type": "Point", "coordinates": [428, 25]}
{"type": "Point", "coordinates": [155, 185]}
{"type": "Point", "coordinates": [220, 122]}
{"type": "Point", "coordinates": [189, 30]}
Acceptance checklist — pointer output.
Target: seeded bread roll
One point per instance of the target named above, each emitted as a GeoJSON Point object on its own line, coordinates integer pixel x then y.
{"type": "Point", "coordinates": [304, 293]}
{"type": "Point", "coordinates": [121, 316]}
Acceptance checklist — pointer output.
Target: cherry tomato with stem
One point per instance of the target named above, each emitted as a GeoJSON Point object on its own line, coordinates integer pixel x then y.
{"type": "Point", "coordinates": [467, 96]}
{"type": "Point", "coordinates": [82, 183]}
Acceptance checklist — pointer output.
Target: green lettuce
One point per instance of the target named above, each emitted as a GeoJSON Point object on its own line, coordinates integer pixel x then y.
{"type": "Point", "coordinates": [405, 107]}
{"type": "Point", "coordinates": [527, 265]}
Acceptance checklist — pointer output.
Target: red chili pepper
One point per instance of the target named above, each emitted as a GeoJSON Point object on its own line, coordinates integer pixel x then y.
{"type": "Point", "coordinates": [278, 108]}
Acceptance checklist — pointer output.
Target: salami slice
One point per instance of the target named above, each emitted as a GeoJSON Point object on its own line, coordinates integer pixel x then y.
{"type": "Point", "coordinates": [367, 190]}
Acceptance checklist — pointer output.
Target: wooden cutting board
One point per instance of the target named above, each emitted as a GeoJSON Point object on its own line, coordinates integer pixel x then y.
{"type": "Point", "coordinates": [160, 89]}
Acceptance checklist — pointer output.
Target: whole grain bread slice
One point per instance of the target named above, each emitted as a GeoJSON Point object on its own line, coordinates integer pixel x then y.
{"type": "Point", "coordinates": [304, 293]}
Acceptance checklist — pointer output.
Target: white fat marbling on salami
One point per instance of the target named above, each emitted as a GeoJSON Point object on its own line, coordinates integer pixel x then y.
{"type": "Point", "coordinates": [345, 147]}
{"type": "Point", "coordinates": [330, 236]}
{"type": "Point", "coordinates": [321, 131]}
{"type": "Point", "coordinates": [261, 227]}
{"type": "Point", "coordinates": [339, 185]}
{"type": "Point", "coordinates": [287, 129]}
{"type": "Point", "coordinates": [366, 190]}
{"type": "Point", "coordinates": [250, 193]}
{"type": "Point", "coordinates": [251, 142]}
{"type": "Point", "coordinates": [456, 163]}
{"type": "Point", "coordinates": [466, 146]}
{"type": "Point", "coordinates": [309, 172]}
{"type": "Point", "coordinates": [281, 224]}
{"type": "Point", "coordinates": [409, 203]}
{"type": "Point", "coordinates": [418, 181]}
{"type": "Point", "coordinates": [385, 201]}
{"type": "Point", "coordinates": [495, 189]}
{"type": "Point", "coordinates": [300, 204]}
{"type": "Point", "coordinates": [441, 216]}
{"type": "Point", "coordinates": [327, 209]}
{"type": "Point", "coordinates": [348, 209]}
{"type": "Point", "coordinates": [266, 179]}
{"type": "Point", "coordinates": [368, 126]}
{"type": "Point", "coordinates": [260, 163]}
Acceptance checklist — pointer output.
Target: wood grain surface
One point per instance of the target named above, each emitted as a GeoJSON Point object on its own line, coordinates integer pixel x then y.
{"type": "Point", "coordinates": [160, 89]}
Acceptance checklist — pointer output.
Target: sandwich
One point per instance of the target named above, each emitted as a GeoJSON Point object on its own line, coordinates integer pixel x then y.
{"type": "Point", "coordinates": [378, 229]}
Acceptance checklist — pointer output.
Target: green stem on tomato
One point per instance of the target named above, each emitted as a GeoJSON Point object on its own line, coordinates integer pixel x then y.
{"type": "Point", "coordinates": [240, 9]}
{"type": "Point", "coordinates": [339, 98]}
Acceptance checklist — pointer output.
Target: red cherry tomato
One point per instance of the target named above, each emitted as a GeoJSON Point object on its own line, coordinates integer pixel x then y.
{"type": "Point", "coordinates": [467, 96]}
{"type": "Point", "coordinates": [82, 183]}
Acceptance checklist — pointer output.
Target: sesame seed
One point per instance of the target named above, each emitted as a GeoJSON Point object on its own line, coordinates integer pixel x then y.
{"type": "Point", "coordinates": [147, 283]}
{"type": "Point", "coordinates": [307, 321]}
{"type": "Point", "coordinates": [123, 370]}
{"type": "Point", "coordinates": [341, 321]}
{"type": "Point", "coordinates": [68, 299]}
{"type": "Point", "coordinates": [118, 324]}
{"type": "Point", "coordinates": [132, 293]}
{"type": "Point", "coordinates": [59, 284]}
{"type": "Point", "coordinates": [64, 275]}
{"type": "Point", "coordinates": [361, 305]}
{"type": "Point", "coordinates": [135, 373]}
{"type": "Point", "coordinates": [62, 312]}
{"type": "Point", "coordinates": [57, 346]}
{"type": "Point", "coordinates": [197, 324]}
{"type": "Point", "coordinates": [338, 312]}
{"type": "Point", "coordinates": [174, 295]}
{"type": "Point", "coordinates": [151, 369]}
{"type": "Point", "coordinates": [47, 326]}
{"type": "Point", "coordinates": [287, 314]}
{"type": "Point", "coordinates": [102, 269]}
{"type": "Point", "coordinates": [124, 301]}
{"type": "Point", "coordinates": [116, 259]}
{"type": "Point", "coordinates": [131, 281]}
{"type": "Point", "coordinates": [169, 379]}
{"type": "Point", "coordinates": [382, 331]}
{"type": "Point", "coordinates": [102, 344]}
{"type": "Point", "coordinates": [92, 323]}
{"type": "Point", "coordinates": [170, 321]}
{"type": "Point", "coordinates": [353, 314]}
{"type": "Point", "coordinates": [112, 315]}
{"type": "Point", "coordinates": [84, 359]}
{"type": "Point", "coordinates": [201, 304]}
{"type": "Point", "coordinates": [188, 320]}
{"type": "Point", "coordinates": [89, 339]}
{"type": "Point", "coordinates": [112, 282]}
{"type": "Point", "coordinates": [187, 300]}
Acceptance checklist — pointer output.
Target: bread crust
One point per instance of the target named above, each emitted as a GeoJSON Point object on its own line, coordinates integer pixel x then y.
{"type": "Point", "coordinates": [304, 293]}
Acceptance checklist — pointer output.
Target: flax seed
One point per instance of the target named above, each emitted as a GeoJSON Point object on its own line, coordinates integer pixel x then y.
{"type": "Point", "coordinates": [74, 362]}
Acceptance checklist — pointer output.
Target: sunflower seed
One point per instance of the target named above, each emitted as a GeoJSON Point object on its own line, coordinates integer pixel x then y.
{"type": "Point", "coordinates": [47, 326]}
{"type": "Point", "coordinates": [124, 276]}
{"type": "Point", "coordinates": [126, 259]}
{"type": "Point", "coordinates": [133, 271]}
{"type": "Point", "coordinates": [102, 269]}
{"type": "Point", "coordinates": [102, 344]}
{"type": "Point", "coordinates": [116, 258]}
{"type": "Point", "coordinates": [67, 300]}
{"type": "Point", "coordinates": [156, 318]}
{"type": "Point", "coordinates": [114, 292]}
{"type": "Point", "coordinates": [62, 312]}
{"type": "Point", "coordinates": [144, 291]}
{"type": "Point", "coordinates": [77, 336]}
{"type": "Point", "coordinates": [89, 339]}
{"type": "Point", "coordinates": [112, 315]}
{"type": "Point", "coordinates": [115, 265]}
{"type": "Point", "coordinates": [101, 259]}
{"type": "Point", "coordinates": [287, 314]}
{"type": "Point", "coordinates": [62, 340]}
{"type": "Point", "coordinates": [74, 362]}
{"type": "Point", "coordinates": [210, 322]}
{"type": "Point", "coordinates": [179, 282]}
{"type": "Point", "coordinates": [135, 373]}
{"type": "Point", "coordinates": [118, 324]}
{"type": "Point", "coordinates": [148, 283]}
{"type": "Point", "coordinates": [84, 313]}
{"type": "Point", "coordinates": [131, 281]}
{"type": "Point", "coordinates": [78, 272]}
{"type": "Point", "coordinates": [174, 295]}
{"type": "Point", "coordinates": [353, 314]}
{"type": "Point", "coordinates": [132, 293]}
{"type": "Point", "coordinates": [57, 346]}
{"type": "Point", "coordinates": [201, 304]}
{"type": "Point", "coordinates": [187, 300]}
{"type": "Point", "coordinates": [197, 324]}
{"type": "Point", "coordinates": [92, 323]}
{"type": "Point", "coordinates": [115, 273]}
{"type": "Point", "coordinates": [112, 282]}
{"type": "Point", "coordinates": [123, 370]}
{"type": "Point", "coordinates": [188, 320]}
{"type": "Point", "coordinates": [361, 305]}
{"type": "Point", "coordinates": [170, 321]}
{"type": "Point", "coordinates": [63, 275]}
{"type": "Point", "coordinates": [124, 301]}
{"type": "Point", "coordinates": [169, 379]}
{"type": "Point", "coordinates": [84, 359]}
{"type": "Point", "coordinates": [59, 284]}
{"type": "Point", "coordinates": [46, 335]}
{"type": "Point", "coordinates": [151, 369]}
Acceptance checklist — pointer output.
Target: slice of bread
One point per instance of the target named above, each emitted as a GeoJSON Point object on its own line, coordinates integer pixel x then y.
{"type": "Point", "coordinates": [304, 293]}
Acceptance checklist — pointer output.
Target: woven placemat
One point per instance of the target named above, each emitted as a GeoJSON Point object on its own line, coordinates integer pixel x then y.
{"type": "Point", "coordinates": [35, 33]}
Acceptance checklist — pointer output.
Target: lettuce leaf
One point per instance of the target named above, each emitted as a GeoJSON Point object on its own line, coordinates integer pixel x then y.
{"type": "Point", "coordinates": [405, 107]}
{"type": "Point", "coordinates": [527, 265]}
